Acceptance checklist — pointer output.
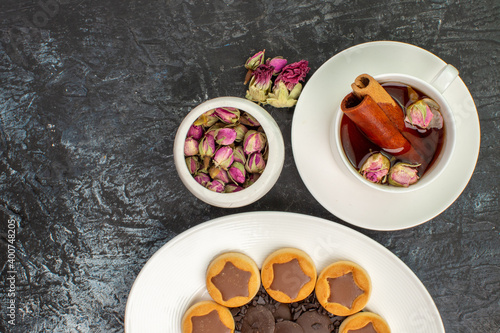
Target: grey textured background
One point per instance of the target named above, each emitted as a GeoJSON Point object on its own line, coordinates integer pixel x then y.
{"type": "Point", "coordinates": [92, 92]}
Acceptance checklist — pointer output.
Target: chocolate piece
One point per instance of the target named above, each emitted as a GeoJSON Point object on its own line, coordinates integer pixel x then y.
{"type": "Point", "coordinates": [232, 281]}
{"type": "Point", "coordinates": [344, 290]}
{"type": "Point", "coordinates": [366, 329]}
{"type": "Point", "coordinates": [258, 319]}
{"type": "Point", "coordinates": [282, 312]}
{"type": "Point", "coordinates": [288, 327]}
{"type": "Point", "coordinates": [313, 322]}
{"type": "Point", "coordinates": [209, 323]}
{"type": "Point", "coordinates": [289, 278]}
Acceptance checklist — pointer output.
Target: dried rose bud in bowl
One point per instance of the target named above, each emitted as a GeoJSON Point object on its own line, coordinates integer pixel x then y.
{"type": "Point", "coordinates": [239, 156]}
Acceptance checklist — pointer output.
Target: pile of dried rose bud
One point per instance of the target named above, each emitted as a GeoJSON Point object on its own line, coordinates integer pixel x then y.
{"type": "Point", "coordinates": [286, 88]}
{"type": "Point", "coordinates": [226, 150]}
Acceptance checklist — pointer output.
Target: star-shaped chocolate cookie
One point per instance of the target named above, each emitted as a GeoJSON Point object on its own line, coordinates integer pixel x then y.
{"type": "Point", "coordinates": [232, 281]}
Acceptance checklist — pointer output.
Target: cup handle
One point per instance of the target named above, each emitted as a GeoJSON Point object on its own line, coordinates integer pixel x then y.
{"type": "Point", "coordinates": [444, 78]}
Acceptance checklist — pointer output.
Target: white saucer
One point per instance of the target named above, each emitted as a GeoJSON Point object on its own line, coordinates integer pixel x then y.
{"type": "Point", "coordinates": [327, 177]}
{"type": "Point", "coordinates": [174, 278]}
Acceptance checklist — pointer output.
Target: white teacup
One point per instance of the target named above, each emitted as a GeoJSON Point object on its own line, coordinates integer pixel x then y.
{"type": "Point", "coordinates": [434, 90]}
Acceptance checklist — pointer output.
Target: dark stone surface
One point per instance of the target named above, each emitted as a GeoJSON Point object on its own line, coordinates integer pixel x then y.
{"type": "Point", "coordinates": [92, 92]}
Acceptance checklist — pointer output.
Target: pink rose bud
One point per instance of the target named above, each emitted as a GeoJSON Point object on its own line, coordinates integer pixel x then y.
{"type": "Point", "coordinates": [255, 163]}
{"type": "Point", "coordinates": [403, 174]}
{"type": "Point", "coordinates": [219, 174]}
{"type": "Point", "coordinates": [424, 114]}
{"type": "Point", "coordinates": [263, 75]}
{"type": "Point", "coordinates": [216, 186]}
{"type": "Point", "coordinates": [202, 178]}
{"type": "Point", "coordinates": [293, 74]}
{"type": "Point", "coordinates": [254, 61]}
{"type": "Point", "coordinates": [375, 168]}
{"type": "Point", "coordinates": [223, 157]}
{"type": "Point", "coordinates": [278, 63]}
{"type": "Point", "coordinates": [237, 172]}
{"type": "Point", "coordinates": [195, 131]}
{"type": "Point", "coordinates": [249, 120]}
{"type": "Point", "coordinates": [228, 115]}
{"type": "Point", "coordinates": [260, 84]}
{"type": "Point", "coordinates": [252, 178]}
{"type": "Point", "coordinates": [231, 188]}
{"type": "Point", "coordinates": [225, 136]}
{"type": "Point", "coordinates": [212, 131]}
{"type": "Point", "coordinates": [254, 141]}
{"type": "Point", "coordinates": [241, 130]}
{"type": "Point", "coordinates": [190, 147]}
{"type": "Point", "coordinates": [207, 119]}
{"type": "Point", "coordinates": [193, 164]}
{"type": "Point", "coordinates": [239, 155]}
{"type": "Point", "coordinates": [207, 146]}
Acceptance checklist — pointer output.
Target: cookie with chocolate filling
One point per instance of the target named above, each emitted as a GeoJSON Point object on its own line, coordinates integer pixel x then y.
{"type": "Point", "coordinates": [364, 322]}
{"type": "Point", "coordinates": [232, 279]}
{"type": "Point", "coordinates": [343, 288]}
{"type": "Point", "coordinates": [207, 316]}
{"type": "Point", "coordinates": [288, 275]}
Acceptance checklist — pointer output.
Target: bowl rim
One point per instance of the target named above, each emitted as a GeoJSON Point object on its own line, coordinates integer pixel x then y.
{"type": "Point", "coordinates": [268, 177]}
{"type": "Point", "coordinates": [442, 159]}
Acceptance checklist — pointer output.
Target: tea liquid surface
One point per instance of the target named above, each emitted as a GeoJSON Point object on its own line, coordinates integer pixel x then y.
{"type": "Point", "coordinates": [358, 148]}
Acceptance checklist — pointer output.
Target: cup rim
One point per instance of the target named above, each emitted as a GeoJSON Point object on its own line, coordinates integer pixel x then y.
{"type": "Point", "coordinates": [268, 177]}
{"type": "Point", "coordinates": [441, 160]}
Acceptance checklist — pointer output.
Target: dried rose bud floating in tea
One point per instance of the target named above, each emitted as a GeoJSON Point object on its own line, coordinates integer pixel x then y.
{"type": "Point", "coordinates": [403, 174]}
{"type": "Point", "coordinates": [375, 168]}
{"type": "Point", "coordinates": [390, 133]}
{"type": "Point", "coordinates": [226, 150]}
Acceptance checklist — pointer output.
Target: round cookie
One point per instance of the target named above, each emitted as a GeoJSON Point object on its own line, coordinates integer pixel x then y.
{"type": "Point", "coordinates": [288, 275]}
{"type": "Point", "coordinates": [364, 322]}
{"type": "Point", "coordinates": [207, 315]}
{"type": "Point", "coordinates": [343, 288]}
{"type": "Point", "coordinates": [232, 279]}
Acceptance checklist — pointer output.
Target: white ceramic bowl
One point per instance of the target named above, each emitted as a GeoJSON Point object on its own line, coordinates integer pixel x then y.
{"type": "Point", "coordinates": [440, 161]}
{"type": "Point", "coordinates": [274, 163]}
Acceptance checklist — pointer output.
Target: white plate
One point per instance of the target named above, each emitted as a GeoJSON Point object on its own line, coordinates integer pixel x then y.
{"type": "Point", "coordinates": [327, 177]}
{"type": "Point", "coordinates": [174, 278]}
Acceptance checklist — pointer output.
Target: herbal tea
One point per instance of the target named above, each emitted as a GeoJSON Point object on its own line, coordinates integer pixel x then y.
{"type": "Point", "coordinates": [391, 133]}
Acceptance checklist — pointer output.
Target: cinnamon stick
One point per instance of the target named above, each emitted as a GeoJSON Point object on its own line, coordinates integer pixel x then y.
{"type": "Point", "coordinates": [365, 85]}
{"type": "Point", "coordinates": [378, 128]}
